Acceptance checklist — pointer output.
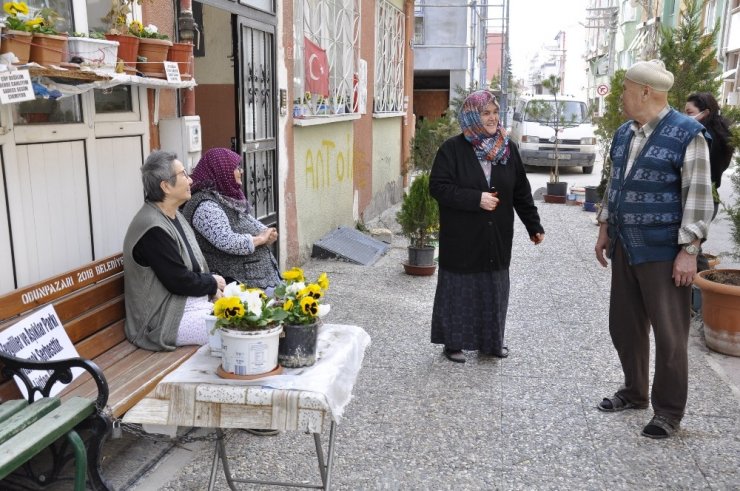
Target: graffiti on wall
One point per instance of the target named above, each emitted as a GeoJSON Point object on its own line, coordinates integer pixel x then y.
{"type": "Point", "coordinates": [329, 163]}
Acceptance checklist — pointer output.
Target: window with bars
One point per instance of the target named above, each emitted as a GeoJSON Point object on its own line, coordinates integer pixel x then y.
{"type": "Point", "coordinates": [326, 48]}
{"type": "Point", "coordinates": [389, 58]}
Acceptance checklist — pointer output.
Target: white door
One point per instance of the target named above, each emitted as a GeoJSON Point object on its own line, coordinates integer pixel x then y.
{"type": "Point", "coordinates": [49, 214]}
{"type": "Point", "coordinates": [7, 272]}
{"type": "Point", "coordinates": [115, 191]}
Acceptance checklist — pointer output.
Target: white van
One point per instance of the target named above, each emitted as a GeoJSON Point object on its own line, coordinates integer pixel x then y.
{"type": "Point", "coordinates": [577, 145]}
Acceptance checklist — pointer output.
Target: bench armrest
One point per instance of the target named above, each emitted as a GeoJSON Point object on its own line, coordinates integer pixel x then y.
{"type": "Point", "coordinates": [60, 372]}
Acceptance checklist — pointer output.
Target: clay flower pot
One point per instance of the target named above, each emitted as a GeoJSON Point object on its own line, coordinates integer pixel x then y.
{"type": "Point", "coordinates": [182, 54]}
{"type": "Point", "coordinates": [128, 47]}
{"type": "Point", "coordinates": [18, 43]}
{"type": "Point", "coordinates": [720, 307]}
{"type": "Point", "coordinates": [48, 49]}
{"type": "Point", "coordinates": [155, 51]}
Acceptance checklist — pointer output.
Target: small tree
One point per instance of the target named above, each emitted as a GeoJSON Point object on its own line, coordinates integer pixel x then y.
{"type": "Point", "coordinates": [551, 115]}
{"type": "Point", "coordinates": [689, 55]}
{"type": "Point", "coordinates": [427, 140]}
{"type": "Point", "coordinates": [733, 209]}
{"type": "Point", "coordinates": [608, 124]}
{"type": "Point", "coordinates": [419, 215]}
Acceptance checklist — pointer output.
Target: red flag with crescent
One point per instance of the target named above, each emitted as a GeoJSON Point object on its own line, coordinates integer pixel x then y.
{"type": "Point", "coordinates": [316, 67]}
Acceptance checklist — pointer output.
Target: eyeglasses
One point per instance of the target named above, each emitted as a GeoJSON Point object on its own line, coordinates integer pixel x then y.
{"type": "Point", "coordinates": [183, 172]}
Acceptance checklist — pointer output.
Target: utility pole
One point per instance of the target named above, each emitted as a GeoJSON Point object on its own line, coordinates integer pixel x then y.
{"type": "Point", "coordinates": [504, 104]}
{"type": "Point", "coordinates": [561, 44]}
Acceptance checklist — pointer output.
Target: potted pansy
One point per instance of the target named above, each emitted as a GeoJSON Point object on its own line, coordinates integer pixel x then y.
{"type": "Point", "coordinates": [302, 301]}
{"type": "Point", "coordinates": [153, 49]}
{"type": "Point", "coordinates": [250, 324]}
{"type": "Point", "coordinates": [49, 45]}
{"type": "Point", "coordinates": [17, 35]}
{"type": "Point", "coordinates": [117, 19]}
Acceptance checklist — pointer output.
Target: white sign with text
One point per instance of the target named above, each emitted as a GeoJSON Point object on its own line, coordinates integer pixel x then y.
{"type": "Point", "coordinates": [41, 337]}
{"type": "Point", "coordinates": [172, 71]}
{"type": "Point", "coordinates": [15, 87]}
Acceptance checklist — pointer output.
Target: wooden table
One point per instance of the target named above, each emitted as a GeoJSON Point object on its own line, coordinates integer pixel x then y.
{"type": "Point", "coordinates": [305, 399]}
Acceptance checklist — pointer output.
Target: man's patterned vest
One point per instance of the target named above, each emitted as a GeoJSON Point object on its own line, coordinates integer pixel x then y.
{"type": "Point", "coordinates": [645, 208]}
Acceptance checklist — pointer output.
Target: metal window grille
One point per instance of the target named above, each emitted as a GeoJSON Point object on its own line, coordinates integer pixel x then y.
{"type": "Point", "coordinates": [333, 25]}
{"type": "Point", "coordinates": [389, 57]}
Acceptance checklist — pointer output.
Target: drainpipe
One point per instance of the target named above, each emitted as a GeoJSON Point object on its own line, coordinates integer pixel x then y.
{"type": "Point", "coordinates": [187, 30]}
{"type": "Point", "coordinates": [409, 121]}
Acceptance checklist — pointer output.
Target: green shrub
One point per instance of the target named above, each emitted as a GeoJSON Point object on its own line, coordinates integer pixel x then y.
{"type": "Point", "coordinates": [419, 215]}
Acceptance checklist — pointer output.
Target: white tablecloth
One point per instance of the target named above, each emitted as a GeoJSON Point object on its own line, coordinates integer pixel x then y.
{"type": "Point", "coordinates": [194, 395]}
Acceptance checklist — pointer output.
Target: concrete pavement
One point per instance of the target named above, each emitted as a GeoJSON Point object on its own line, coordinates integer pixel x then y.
{"type": "Point", "coordinates": [418, 421]}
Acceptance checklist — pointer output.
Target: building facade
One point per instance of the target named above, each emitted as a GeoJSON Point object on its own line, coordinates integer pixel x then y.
{"type": "Point", "coordinates": [449, 52]}
{"type": "Point", "coordinates": [322, 137]}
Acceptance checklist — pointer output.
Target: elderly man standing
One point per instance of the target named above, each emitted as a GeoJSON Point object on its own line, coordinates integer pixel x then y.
{"type": "Point", "coordinates": [657, 208]}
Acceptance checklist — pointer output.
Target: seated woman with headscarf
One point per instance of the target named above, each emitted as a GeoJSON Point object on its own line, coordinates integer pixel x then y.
{"type": "Point", "coordinates": [235, 244]}
{"type": "Point", "coordinates": [166, 280]}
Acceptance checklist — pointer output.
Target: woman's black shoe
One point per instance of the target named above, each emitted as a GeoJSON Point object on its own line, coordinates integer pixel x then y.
{"type": "Point", "coordinates": [454, 355]}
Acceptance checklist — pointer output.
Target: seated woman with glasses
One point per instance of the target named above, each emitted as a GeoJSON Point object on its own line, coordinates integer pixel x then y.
{"type": "Point", "coordinates": [235, 244]}
{"type": "Point", "coordinates": [166, 279]}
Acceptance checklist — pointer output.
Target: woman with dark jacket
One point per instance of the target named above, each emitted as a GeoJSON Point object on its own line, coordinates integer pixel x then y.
{"type": "Point", "coordinates": [479, 182]}
{"type": "Point", "coordinates": [703, 107]}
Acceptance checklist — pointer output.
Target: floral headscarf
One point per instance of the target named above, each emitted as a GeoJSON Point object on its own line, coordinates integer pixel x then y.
{"type": "Point", "coordinates": [215, 170]}
{"type": "Point", "coordinates": [494, 149]}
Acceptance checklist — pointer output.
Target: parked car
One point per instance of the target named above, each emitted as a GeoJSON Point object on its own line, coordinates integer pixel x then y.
{"type": "Point", "coordinates": [533, 129]}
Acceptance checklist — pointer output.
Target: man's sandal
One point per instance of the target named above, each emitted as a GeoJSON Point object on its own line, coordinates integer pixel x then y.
{"type": "Point", "coordinates": [616, 403]}
{"type": "Point", "coordinates": [660, 427]}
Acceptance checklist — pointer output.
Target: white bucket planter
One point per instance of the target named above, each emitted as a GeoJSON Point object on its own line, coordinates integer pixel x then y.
{"type": "Point", "coordinates": [98, 54]}
{"type": "Point", "coordinates": [250, 352]}
{"type": "Point", "coordinates": [214, 338]}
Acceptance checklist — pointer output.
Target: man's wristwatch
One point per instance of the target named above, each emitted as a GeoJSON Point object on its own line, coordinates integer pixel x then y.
{"type": "Point", "coordinates": [691, 249]}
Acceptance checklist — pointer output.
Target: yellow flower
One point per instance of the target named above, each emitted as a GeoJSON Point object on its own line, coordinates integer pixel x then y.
{"type": "Point", "coordinates": [323, 281]}
{"type": "Point", "coordinates": [312, 290]}
{"type": "Point", "coordinates": [293, 275]}
{"type": "Point", "coordinates": [36, 21]}
{"type": "Point", "coordinates": [262, 293]}
{"type": "Point", "coordinates": [228, 307]}
{"type": "Point", "coordinates": [135, 27]}
{"type": "Point", "coordinates": [309, 306]}
{"type": "Point", "coordinates": [15, 8]}
{"type": "Point", "coordinates": [288, 305]}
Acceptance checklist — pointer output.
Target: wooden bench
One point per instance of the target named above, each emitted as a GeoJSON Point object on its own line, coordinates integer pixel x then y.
{"type": "Point", "coordinates": [90, 303]}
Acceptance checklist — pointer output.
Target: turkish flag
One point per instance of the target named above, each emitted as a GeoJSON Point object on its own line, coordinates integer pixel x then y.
{"type": "Point", "coordinates": [316, 66]}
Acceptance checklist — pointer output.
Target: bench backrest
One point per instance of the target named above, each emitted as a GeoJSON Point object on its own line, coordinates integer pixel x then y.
{"type": "Point", "coordinates": [88, 300]}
